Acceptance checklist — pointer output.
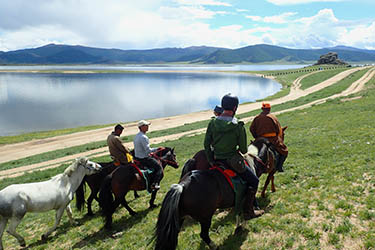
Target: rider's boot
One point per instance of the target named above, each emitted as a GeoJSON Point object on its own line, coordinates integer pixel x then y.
{"type": "Point", "coordinates": [155, 186]}
{"type": "Point", "coordinates": [280, 162]}
{"type": "Point", "coordinates": [249, 212]}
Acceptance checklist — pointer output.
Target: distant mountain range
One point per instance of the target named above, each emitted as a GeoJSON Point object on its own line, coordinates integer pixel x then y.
{"type": "Point", "coordinates": [262, 53]}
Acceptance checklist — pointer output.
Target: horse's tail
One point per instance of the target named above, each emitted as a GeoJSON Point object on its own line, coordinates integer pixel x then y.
{"type": "Point", "coordinates": [80, 195]}
{"type": "Point", "coordinates": [106, 199]}
{"type": "Point", "coordinates": [168, 225]}
{"type": "Point", "coordinates": [189, 166]}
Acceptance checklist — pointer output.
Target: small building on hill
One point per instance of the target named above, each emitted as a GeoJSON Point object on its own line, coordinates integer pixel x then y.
{"type": "Point", "coordinates": [330, 58]}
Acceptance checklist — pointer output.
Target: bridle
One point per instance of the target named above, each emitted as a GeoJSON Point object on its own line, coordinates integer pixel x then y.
{"type": "Point", "coordinates": [163, 159]}
{"type": "Point", "coordinates": [264, 164]}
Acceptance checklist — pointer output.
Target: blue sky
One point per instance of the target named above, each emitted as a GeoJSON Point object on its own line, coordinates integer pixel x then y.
{"type": "Point", "coordinates": [146, 24]}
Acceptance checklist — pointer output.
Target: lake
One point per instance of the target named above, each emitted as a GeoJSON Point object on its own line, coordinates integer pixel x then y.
{"type": "Point", "coordinates": [45, 101]}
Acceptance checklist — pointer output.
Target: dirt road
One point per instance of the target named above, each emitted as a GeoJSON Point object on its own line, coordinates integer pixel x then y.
{"type": "Point", "coordinates": [20, 150]}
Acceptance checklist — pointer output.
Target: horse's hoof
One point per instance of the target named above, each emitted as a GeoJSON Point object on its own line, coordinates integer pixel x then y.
{"type": "Point", "coordinates": [44, 237]}
{"type": "Point", "coordinates": [153, 206]}
{"type": "Point", "coordinates": [117, 235]}
{"type": "Point", "coordinates": [23, 244]}
{"type": "Point", "coordinates": [238, 230]}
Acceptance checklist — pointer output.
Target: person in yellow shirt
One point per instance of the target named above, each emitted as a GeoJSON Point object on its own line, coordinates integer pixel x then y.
{"type": "Point", "coordinates": [119, 152]}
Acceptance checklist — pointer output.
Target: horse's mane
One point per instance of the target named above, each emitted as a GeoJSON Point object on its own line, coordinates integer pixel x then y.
{"type": "Point", "coordinates": [72, 168]}
{"type": "Point", "coordinates": [262, 145]}
{"type": "Point", "coordinates": [260, 141]}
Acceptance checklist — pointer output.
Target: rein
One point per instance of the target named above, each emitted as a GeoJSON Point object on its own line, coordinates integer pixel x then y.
{"type": "Point", "coordinates": [258, 159]}
{"type": "Point", "coordinates": [157, 155]}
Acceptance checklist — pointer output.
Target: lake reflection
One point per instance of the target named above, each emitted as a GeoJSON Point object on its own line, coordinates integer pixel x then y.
{"type": "Point", "coordinates": [34, 102]}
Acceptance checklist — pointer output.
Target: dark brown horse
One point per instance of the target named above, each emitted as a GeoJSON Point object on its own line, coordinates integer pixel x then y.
{"type": "Point", "coordinates": [198, 195]}
{"type": "Point", "coordinates": [126, 178]}
{"type": "Point", "coordinates": [94, 182]}
{"type": "Point", "coordinates": [262, 157]}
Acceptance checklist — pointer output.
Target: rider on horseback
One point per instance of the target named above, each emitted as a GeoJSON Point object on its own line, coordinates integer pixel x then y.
{"type": "Point", "coordinates": [226, 136]}
{"type": "Point", "coordinates": [267, 125]}
{"type": "Point", "coordinates": [118, 151]}
{"type": "Point", "coordinates": [142, 152]}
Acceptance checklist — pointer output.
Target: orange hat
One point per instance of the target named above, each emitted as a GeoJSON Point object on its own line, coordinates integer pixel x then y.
{"type": "Point", "coordinates": [266, 105]}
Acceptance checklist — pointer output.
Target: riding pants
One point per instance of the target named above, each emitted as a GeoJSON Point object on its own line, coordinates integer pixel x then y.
{"type": "Point", "coordinates": [246, 174]}
{"type": "Point", "coordinates": [153, 164]}
{"type": "Point", "coordinates": [251, 179]}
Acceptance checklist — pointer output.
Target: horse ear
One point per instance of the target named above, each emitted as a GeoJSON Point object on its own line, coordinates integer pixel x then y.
{"type": "Point", "coordinates": [173, 150]}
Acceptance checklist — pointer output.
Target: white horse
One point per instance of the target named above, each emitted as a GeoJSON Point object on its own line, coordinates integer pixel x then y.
{"type": "Point", "coordinates": [56, 193]}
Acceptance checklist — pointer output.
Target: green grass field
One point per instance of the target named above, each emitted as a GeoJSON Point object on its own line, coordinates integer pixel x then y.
{"type": "Point", "coordinates": [324, 199]}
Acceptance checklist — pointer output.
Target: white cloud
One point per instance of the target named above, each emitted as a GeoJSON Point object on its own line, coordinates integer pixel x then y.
{"type": "Point", "coordinates": [292, 2]}
{"type": "Point", "coordinates": [361, 36]}
{"type": "Point", "coordinates": [255, 18]}
{"type": "Point", "coordinates": [186, 13]}
{"type": "Point", "coordinates": [323, 30]}
{"type": "Point", "coordinates": [282, 18]}
{"type": "Point", "coordinates": [203, 2]}
{"type": "Point", "coordinates": [144, 24]}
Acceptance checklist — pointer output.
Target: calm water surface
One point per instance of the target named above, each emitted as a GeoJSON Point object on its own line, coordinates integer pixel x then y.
{"type": "Point", "coordinates": [35, 102]}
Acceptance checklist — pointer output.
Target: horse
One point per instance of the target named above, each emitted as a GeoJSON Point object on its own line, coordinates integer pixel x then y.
{"type": "Point", "coordinates": [126, 178]}
{"type": "Point", "coordinates": [55, 194]}
{"type": "Point", "coordinates": [261, 154]}
{"type": "Point", "coordinates": [198, 195]}
{"type": "Point", "coordinates": [94, 181]}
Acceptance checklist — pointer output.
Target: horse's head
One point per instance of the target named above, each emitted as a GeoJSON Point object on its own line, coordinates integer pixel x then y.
{"type": "Point", "coordinates": [90, 167]}
{"type": "Point", "coordinates": [259, 149]}
{"type": "Point", "coordinates": [169, 157]}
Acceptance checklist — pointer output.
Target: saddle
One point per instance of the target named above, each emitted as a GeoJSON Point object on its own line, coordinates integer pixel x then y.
{"type": "Point", "coordinates": [237, 184]}
{"type": "Point", "coordinates": [146, 174]}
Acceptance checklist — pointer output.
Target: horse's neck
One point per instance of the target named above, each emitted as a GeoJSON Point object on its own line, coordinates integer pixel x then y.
{"type": "Point", "coordinates": [72, 182]}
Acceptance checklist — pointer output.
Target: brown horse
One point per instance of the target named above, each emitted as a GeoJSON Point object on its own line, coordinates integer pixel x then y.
{"type": "Point", "coordinates": [260, 155]}
{"type": "Point", "coordinates": [126, 178]}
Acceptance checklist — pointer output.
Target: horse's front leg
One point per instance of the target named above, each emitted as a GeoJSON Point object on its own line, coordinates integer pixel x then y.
{"type": "Point", "coordinates": [263, 194]}
{"type": "Point", "coordinates": [273, 189]}
{"type": "Point", "coordinates": [13, 223]}
{"type": "Point", "coordinates": [70, 215]}
{"type": "Point", "coordinates": [136, 195]}
{"type": "Point", "coordinates": [153, 197]}
{"type": "Point", "coordinates": [89, 202]}
{"type": "Point", "coordinates": [59, 213]}
{"type": "Point", "coordinates": [3, 223]}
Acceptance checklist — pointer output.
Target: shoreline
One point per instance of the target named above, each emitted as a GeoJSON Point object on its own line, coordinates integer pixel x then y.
{"type": "Point", "coordinates": [49, 143]}
{"type": "Point", "coordinates": [250, 74]}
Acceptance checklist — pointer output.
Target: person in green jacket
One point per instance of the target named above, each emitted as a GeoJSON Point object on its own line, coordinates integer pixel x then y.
{"type": "Point", "coordinates": [225, 138]}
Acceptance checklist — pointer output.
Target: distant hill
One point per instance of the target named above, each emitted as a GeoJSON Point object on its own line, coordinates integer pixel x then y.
{"type": "Point", "coordinates": [262, 53]}
{"type": "Point", "coordinates": [267, 53]}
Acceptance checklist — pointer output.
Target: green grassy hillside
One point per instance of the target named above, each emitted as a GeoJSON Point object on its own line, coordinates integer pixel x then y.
{"type": "Point", "coordinates": [324, 199]}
